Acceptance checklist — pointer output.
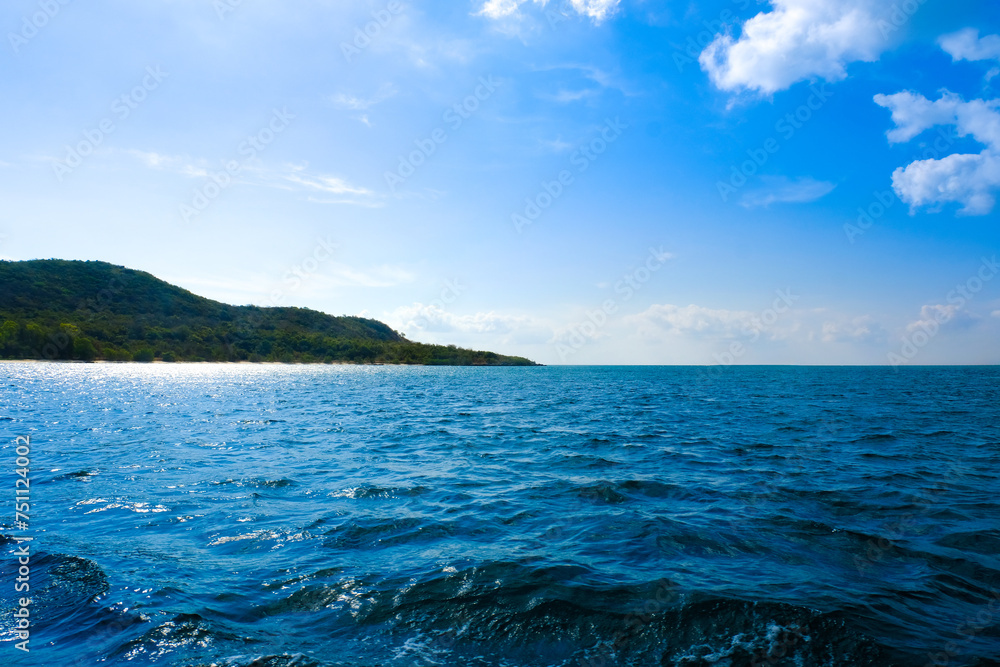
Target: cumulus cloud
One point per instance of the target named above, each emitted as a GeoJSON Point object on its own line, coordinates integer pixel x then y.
{"type": "Point", "coordinates": [432, 317]}
{"type": "Point", "coordinates": [670, 324]}
{"type": "Point", "coordinates": [970, 180]}
{"type": "Point", "coordinates": [694, 319]}
{"type": "Point", "coordinates": [597, 10]}
{"type": "Point", "coordinates": [783, 190]}
{"type": "Point", "coordinates": [797, 40]}
{"type": "Point", "coordinates": [913, 113]}
{"type": "Point", "coordinates": [968, 45]}
{"type": "Point", "coordinates": [853, 330]}
{"type": "Point", "coordinates": [934, 316]}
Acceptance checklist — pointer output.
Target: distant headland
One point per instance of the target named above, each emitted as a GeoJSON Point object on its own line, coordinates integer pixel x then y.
{"type": "Point", "coordinates": [95, 311]}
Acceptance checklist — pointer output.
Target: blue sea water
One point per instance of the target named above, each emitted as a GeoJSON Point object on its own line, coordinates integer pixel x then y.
{"type": "Point", "coordinates": [272, 515]}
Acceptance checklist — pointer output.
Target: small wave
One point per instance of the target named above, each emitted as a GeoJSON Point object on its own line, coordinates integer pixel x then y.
{"type": "Point", "coordinates": [82, 475]}
{"type": "Point", "coordinates": [259, 483]}
{"type": "Point", "coordinates": [538, 616]}
{"type": "Point", "coordinates": [379, 492]}
{"type": "Point", "coordinates": [375, 533]}
{"type": "Point", "coordinates": [285, 660]}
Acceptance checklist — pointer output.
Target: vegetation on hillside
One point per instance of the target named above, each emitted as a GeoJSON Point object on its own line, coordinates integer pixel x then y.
{"type": "Point", "coordinates": [72, 310]}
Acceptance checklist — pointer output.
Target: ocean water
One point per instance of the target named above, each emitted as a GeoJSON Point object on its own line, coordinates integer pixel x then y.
{"type": "Point", "coordinates": [358, 515]}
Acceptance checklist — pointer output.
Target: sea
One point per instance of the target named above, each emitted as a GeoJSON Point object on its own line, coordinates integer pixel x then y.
{"type": "Point", "coordinates": [247, 515]}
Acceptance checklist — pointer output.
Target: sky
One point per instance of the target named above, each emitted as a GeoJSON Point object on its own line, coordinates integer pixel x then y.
{"type": "Point", "coordinates": [575, 181]}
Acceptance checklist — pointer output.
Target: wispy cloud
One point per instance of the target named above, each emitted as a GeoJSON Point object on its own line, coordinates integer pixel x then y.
{"type": "Point", "coordinates": [692, 319]}
{"type": "Point", "coordinates": [290, 177]}
{"type": "Point", "coordinates": [329, 184]}
{"type": "Point", "coordinates": [852, 330]}
{"type": "Point", "coordinates": [666, 322]}
{"type": "Point", "coordinates": [564, 96]}
{"type": "Point", "coordinates": [783, 190]}
{"type": "Point", "coordinates": [596, 10]}
{"type": "Point", "coordinates": [356, 103]}
{"type": "Point", "coordinates": [557, 145]}
{"type": "Point", "coordinates": [342, 275]}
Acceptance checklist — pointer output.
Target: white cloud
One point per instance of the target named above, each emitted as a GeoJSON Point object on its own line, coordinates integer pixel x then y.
{"type": "Point", "coordinates": [156, 160]}
{"type": "Point", "coordinates": [968, 45]}
{"type": "Point", "coordinates": [597, 10]}
{"type": "Point", "coordinates": [693, 319]}
{"type": "Point", "coordinates": [853, 330]}
{"type": "Point", "coordinates": [934, 316]}
{"type": "Point", "coordinates": [557, 145]}
{"type": "Point", "coordinates": [291, 177]}
{"type": "Point", "coordinates": [498, 9]}
{"type": "Point", "coordinates": [564, 96]}
{"type": "Point", "coordinates": [913, 113]}
{"type": "Point", "coordinates": [970, 180]}
{"type": "Point", "coordinates": [323, 183]}
{"type": "Point", "coordinates": [433, 318]}
{"type": "Point", "coordinates": [670, 324]}
{"type": "Point", "coordinates": [783, 190]}
{"type": "Point", "coordinates": [345, 101]}
{"type": "Point", "coordinates": [797, 40]}
{"type": "Point", "coordinates": [342, 275]}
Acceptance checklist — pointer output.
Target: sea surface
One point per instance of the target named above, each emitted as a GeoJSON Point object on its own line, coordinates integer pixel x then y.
{"type": "Point", "coordinates": [279, 516]}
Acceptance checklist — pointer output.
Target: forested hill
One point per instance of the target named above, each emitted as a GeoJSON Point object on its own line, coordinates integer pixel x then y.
{"type": "Point", "coordinates": [60, 309]}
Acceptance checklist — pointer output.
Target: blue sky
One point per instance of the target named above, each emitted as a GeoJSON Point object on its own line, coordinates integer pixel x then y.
{"type": "Point", "coordinates": [583, 181]}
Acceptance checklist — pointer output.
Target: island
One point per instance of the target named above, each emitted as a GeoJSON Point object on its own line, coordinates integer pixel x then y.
{"type": "Point", "coordinates": [69, 310]}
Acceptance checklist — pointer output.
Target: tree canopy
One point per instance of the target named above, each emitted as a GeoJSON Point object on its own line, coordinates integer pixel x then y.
{"type": "Point", "coordinates": [74, 310]}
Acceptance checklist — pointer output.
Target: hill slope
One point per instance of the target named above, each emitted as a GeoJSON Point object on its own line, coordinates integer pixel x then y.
{"type": "Point", "coordinates": [60, 309]}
